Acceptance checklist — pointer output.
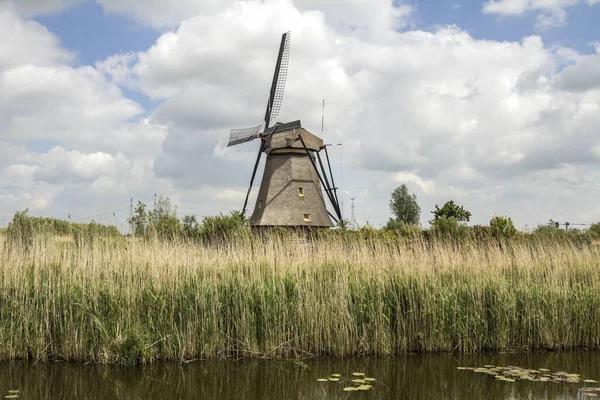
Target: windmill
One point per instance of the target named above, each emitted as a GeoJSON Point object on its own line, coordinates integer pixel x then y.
{"type": "Point", "coordinates": [291, 191]}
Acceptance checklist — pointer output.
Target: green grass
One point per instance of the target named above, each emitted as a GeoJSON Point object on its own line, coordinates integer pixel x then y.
{"type": "Point", "coordinates": [129, 301]}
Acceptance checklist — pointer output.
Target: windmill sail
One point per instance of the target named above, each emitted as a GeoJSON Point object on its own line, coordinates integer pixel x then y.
{"type": "Point", "coordinates": [279, 78]}
{"type": "Point", "coordinates": [237, 136]}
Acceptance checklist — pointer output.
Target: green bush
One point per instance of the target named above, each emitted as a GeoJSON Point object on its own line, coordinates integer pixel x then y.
{"type": "Point", "coordinates": [502, 227]}
{"type": "Point", "coordinates": [449, 228]}
{"type": "Point", "coordinates": [223, 227]}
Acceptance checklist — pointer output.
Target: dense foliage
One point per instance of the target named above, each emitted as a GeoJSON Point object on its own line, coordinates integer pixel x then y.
{"type": "Point", "coordinates": [451, 210]}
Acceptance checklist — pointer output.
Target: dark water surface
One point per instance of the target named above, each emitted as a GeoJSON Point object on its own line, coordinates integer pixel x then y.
{"type": "Point", "coordinates": [410, 377]}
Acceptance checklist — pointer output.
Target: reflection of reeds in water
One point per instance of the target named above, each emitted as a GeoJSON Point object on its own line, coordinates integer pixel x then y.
{"type": "Point", "coordinates": [422, 377]}
{"type": "Point", "coordinates": [130, 301]}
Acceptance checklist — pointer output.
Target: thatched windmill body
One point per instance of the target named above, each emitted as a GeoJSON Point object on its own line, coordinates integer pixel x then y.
{"type": "Point", "coordinates": [293, 189]}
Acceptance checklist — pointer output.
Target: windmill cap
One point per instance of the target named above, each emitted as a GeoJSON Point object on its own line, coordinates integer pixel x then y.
{"type": "Point", "coordinates": [286, 136]}
{"type": "Point", "coordinates": [282, 127]}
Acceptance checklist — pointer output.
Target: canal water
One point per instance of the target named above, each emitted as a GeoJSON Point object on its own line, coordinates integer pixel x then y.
{"type": "Point", "coordinates": [420, 377]}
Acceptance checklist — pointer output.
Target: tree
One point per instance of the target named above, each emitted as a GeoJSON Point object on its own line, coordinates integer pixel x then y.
{"type": "Point", "coordinates": [140, 220]}
{"type": "Point", "coordinates": [404, 207]}
{"type": "Point", "coordinates": [164, 208]}
{"type": "Point", "coordinates": [451, 210]}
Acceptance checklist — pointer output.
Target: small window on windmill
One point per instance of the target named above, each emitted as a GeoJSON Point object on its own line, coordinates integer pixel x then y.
{"type": "Point", "coordinates": [301, 192]}
{"type": "Point", "coordinates": [260, 204]}
{"type": "Point", "coordinates": [306, 217]}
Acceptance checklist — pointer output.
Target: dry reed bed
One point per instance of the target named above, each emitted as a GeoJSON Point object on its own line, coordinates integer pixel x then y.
{"type": "Point", "coordinates": [129, 301]}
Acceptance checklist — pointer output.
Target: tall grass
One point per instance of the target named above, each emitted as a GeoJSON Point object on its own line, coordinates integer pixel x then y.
{"type": "Point", "coordinates": [128, 300]}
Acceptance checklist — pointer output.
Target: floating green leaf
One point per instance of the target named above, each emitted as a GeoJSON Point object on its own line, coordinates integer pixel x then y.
{"type": "Point", "coordinates": [358, 374]}
{"type": "Point", "coordinates": [322, 380]}
{"type": "Point", "coordinates": [350, 389]}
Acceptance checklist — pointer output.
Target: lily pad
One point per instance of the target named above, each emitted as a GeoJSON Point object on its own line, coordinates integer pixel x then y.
{"type": "Point", "coordinates": [322, 380]}
{"type": "Point", "coordinates": [336, 375]}
{"type": "Point", "coordinates": [358, 374]}
{"type": "Point", "coordinates": [334, 379]}
{"type": "Point", "coordinates": [590, 381]}
{"type": "Point", "coordinates": [350, 389]}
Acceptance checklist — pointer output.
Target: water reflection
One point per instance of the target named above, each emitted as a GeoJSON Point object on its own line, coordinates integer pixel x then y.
{"type": "Point", "coordinates": [420, 377]}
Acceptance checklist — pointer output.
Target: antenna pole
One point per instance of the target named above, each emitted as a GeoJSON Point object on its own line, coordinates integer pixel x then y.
{"type": "Point", "coordinates": [322, 118]}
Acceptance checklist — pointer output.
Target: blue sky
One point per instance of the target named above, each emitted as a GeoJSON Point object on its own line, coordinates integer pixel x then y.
{"type": "Point", "coordinates": [581, 28]}
{"type": "Point", "coordinates": [94, 35]}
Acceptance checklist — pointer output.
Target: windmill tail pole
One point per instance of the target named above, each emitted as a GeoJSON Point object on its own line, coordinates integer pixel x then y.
{"type": "Point", "coordinates": [329, 195]}
{"type": "Point", "coordinates": [329, 187]}
{"type": "Point", "coordinates": [332, 217]}
{"type": "Point", "coordinates": [331, 174]}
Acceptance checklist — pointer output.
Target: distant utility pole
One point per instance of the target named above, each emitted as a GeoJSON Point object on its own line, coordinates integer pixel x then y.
{"type": "Point", "coordinates": [131, 215]}
{"type": "Point", "coordinates": [155, 211]}
{"type": "Point", "coordinates": [352, 218]}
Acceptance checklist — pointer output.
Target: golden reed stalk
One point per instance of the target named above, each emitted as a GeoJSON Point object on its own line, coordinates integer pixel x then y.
{"type": "Point", "coordinates": [129, 301]}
